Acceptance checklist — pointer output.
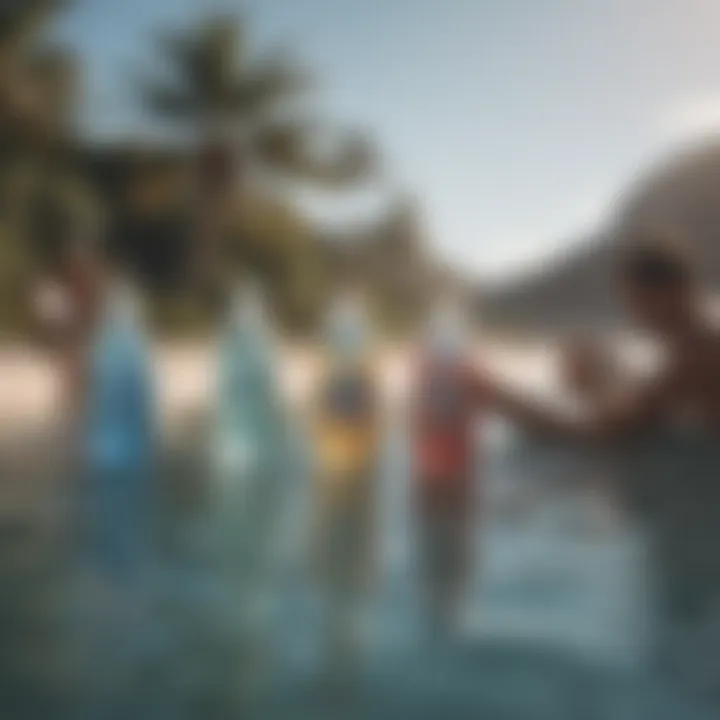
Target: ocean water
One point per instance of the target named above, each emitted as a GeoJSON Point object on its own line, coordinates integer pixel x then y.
{"type": "Point", "coordinates": [560, 618]}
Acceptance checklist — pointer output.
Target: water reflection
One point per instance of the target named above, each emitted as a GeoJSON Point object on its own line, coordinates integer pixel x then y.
{"type": "Point", "coordinates": [557, 623]}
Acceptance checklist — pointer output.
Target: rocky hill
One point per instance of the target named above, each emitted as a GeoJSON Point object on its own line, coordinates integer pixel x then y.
{"type": "Point", "coordinates": [575, 289]}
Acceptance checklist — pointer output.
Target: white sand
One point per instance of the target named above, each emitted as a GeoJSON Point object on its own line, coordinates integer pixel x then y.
{"type": "Point", "coordinates": [185, 375]}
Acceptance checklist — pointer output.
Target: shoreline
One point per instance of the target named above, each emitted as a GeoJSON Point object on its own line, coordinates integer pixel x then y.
{"type": "Point", "coordinates": [185, 377]}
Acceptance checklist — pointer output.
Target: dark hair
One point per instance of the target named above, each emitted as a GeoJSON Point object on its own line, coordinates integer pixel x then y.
{"type": "Point", "coordinates": [657, 260]}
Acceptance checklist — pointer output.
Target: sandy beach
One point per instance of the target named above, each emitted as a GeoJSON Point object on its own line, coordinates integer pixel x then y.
{"type": "Point", "coordinates": [185, 374]}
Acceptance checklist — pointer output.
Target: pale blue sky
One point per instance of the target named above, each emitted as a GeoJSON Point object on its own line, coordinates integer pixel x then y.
{"type": "Point", "coordinates": [515, 121]}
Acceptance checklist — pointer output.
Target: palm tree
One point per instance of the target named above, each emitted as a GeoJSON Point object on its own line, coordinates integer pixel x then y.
{"type": "Point", "coordinates": [243, 111]}
{"type": "Point", "coordinates": [40, 190]}
{"type": "Point", "coordinates": [32, 74]}
{"type": "Point", "coordinates": [20, 19]}
{"type": "Point", "coordinates": [38, 81]}
{"type": "Point", "coordinates": [38, 87]}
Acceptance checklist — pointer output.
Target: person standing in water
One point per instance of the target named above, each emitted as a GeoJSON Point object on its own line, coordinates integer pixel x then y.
{"type": "Point", "coordinates": [120, 434]}
{"type": "Point", "coordinates": [445, 406]}
{"type": "Point", "coordinates": [659, 286]}
{"type": "Point", "coordinates": [115, 578]}
{"type": "Point", "coordinates": [250, 434]}
{"type": "Point", "coordinates": [347, 435]}
{"type": "Point", "coordinates": [243, 518]}
{"type": "Point", "coordinates": [250, 448]}
{"type": "Point", "coordinates": [671, 420]}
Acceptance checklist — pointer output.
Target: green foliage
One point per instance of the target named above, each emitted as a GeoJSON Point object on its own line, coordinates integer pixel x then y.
{"type": "Point", "coordinates": [271, 242]}
{"type": "Point", "coordinates": [212, 77]}
{"type": "Point", "coordinates": [42, 203]}
{"type": "Point", "coordinates": [37, 80]}
{"type": "Point", "coordinates": [215, 85]}
{"type": "Point", "coordinates": [21, 20]}
{"type": "Point", "coordinates": [17, 273]}
{"type": "Point", "coordinates": [212, 81]}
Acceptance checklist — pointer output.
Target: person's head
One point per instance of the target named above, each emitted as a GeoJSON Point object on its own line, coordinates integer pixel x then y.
{"type": "Point", "coordinates": [659, 283]}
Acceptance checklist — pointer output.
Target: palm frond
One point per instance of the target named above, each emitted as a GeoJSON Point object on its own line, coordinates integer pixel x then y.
{"type": "Point", "coordinates": [277, 78]}
{"type": "Point", "coordinates": [218, 57]}
{"type": "Point", "coordinates": [55, 72]}
{"type": "Point", "coordinates": [213, 82]}
{"type": "Point", "coordinates": [282, 145]}
{"type": "Point", "coordinates": [302, 151]}
{"type": "Point", "coordinates": [166, 101]}
{"type": "Point", "coordinates": [202, 65]}
{"type": "Point", "coordinates": [21, 19]}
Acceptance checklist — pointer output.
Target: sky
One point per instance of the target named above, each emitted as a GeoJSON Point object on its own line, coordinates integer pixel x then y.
{"type": "Point", "coordinates": [516, 123]}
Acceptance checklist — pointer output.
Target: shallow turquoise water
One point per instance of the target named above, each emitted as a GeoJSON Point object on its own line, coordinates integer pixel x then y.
{"type": "Point", "coordinates": [559, 619]}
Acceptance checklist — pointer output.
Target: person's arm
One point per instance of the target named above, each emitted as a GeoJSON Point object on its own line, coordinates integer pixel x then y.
{"type": "Point", "coordinates": [619, 417]}
{"type": "Point", "coordinates": [534, 416]}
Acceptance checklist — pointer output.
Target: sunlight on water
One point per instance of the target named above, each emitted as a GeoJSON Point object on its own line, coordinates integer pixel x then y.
{"type": "Point", "coordinates": [554, 572]}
